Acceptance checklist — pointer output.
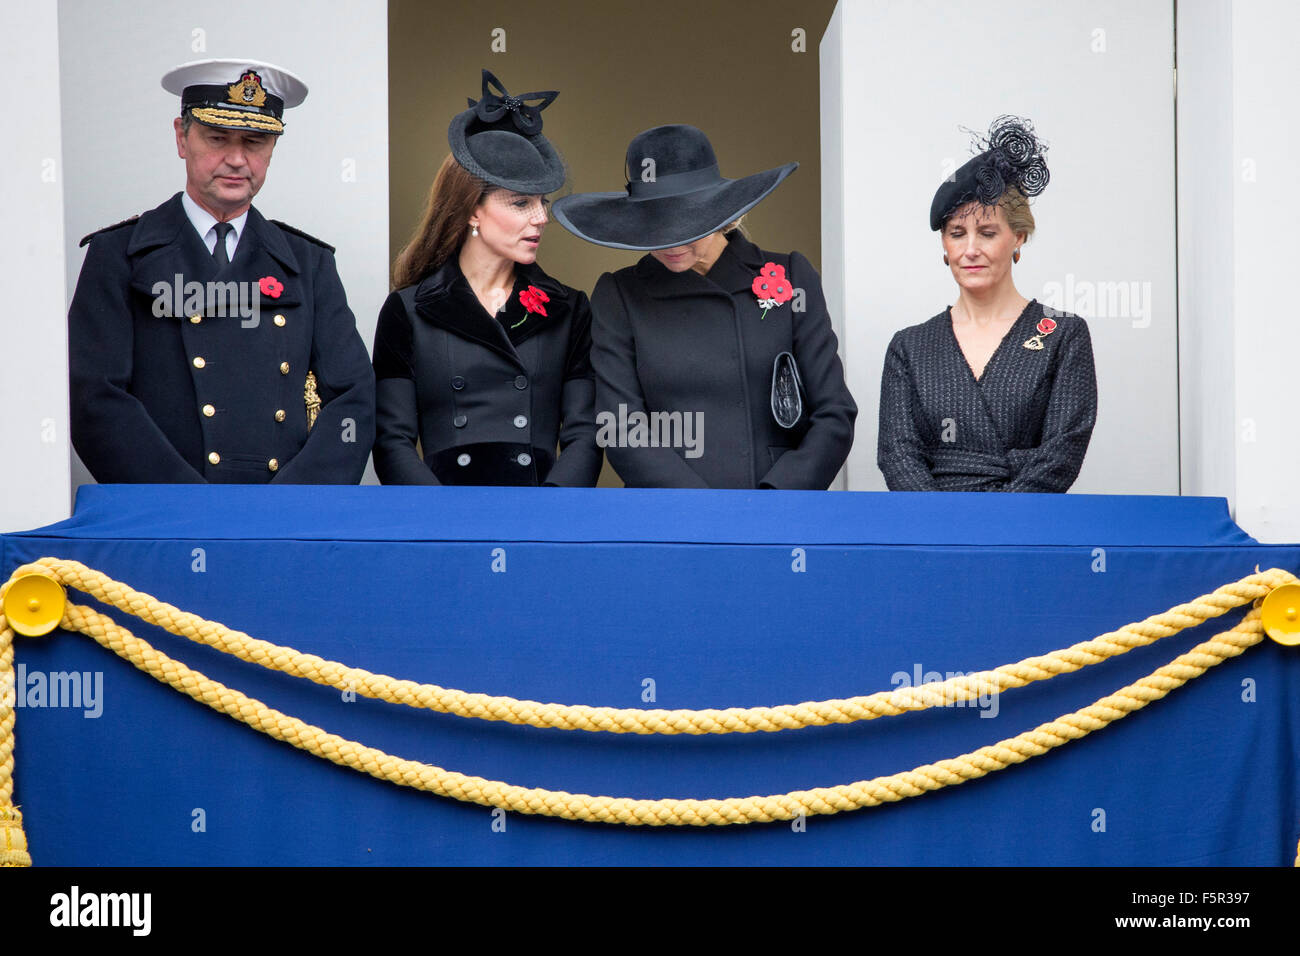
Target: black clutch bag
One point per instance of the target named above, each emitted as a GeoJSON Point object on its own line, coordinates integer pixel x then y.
{"type": "Point", "coordinates": [787, 391]}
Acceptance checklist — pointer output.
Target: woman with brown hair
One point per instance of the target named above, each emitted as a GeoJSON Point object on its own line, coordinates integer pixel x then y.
{"type": "Point", "coordinates": [480, 356]}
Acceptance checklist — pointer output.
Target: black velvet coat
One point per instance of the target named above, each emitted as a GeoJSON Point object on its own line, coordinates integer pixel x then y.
{"type": "Point", "coordinates": [668, 341]}
{"type": "Point", "coordinates": [166, 398]}
{"type": "Point", "coordinates": [1024, 425]}
{"type": "Point", "coordinates": [488, 399]}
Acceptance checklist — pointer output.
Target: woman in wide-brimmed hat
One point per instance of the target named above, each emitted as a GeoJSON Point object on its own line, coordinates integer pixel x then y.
{"type": "Point", "coordinates": [715, 361]}
{"type": "Point", "coordinates": [479, 355]}
{"type": "Point", "coordinates": [997, 392]}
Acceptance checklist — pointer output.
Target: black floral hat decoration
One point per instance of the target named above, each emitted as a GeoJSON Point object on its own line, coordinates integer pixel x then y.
{"type": "Point", "coordinates": [1010, 157]}
{"type": "Point", "coordinates": [499, 140]}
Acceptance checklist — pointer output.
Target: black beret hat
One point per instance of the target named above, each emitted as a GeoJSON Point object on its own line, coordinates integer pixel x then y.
{"type": "Point", "coordinates": [499, 140]}
{"type": "Point", "coordinates": [1012, 157]}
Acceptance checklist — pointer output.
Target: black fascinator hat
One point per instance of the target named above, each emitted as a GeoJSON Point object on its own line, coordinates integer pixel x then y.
{"type": "Point", "coordinates": [499, 139]}
{"type": "Point", "coordinates": [1010, 157]}
{"type": "Point", "coordinates": [674, 195]}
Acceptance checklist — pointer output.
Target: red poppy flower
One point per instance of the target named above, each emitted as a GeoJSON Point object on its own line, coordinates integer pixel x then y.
{"type": "Point", "coordinates": [270, 286]}
{"type": "Point", "coordinates": [771, 285]}
{"type": "Point", "coordinates": [1046, 326]}
{"type": "Point", "coordinates": [533, 298]}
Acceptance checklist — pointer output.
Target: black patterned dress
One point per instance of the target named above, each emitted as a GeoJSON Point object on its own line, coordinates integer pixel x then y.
{"type": "Point", "coordinates": [1024, 425]}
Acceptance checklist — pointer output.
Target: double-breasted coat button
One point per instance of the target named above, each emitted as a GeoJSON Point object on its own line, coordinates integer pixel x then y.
{"type": "Point", "coordinates": [279, 414]}
{"type": "Point", "coordinates": [209, 411]}
{"type": "Point", "coordinates": [462, 459]}
{"type": "Point", "coordinates": [214, 458]}
{"type": "Point", "coordinates": [458, 383]}
{"type": "Point", "coordinates": [521, 421]}
{"type": "Point", "coordinates": [273, 464]}
{"type": "Point", "coordinates": [195, 319]}
{"type": "Point", "coordinates": [459, 421]}
{"type": "Point", "coordinates": [198, 361]}
{"type": "Point", "coordinates": [284, 368]}
{"type": "Point", "coordinates": [524, 459]}
{"type": "Point", "coordinates": [278, 320]}
{"type": "Point", "coordinates": [521, 382]}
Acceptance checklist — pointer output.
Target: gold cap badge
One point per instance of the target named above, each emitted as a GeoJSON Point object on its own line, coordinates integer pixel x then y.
{"type": "Point", "coordinates": [248, 90]}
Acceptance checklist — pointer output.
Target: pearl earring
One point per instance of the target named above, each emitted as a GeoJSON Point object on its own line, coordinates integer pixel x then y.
{"type": "Point", "coordinates": [473, 230]}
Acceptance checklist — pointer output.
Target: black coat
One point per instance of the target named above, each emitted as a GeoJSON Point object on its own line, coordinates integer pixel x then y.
{"type": "Point", "coordinates": [1023, 426]}
{"type": "Point", "coordinates": [171, 399]}
{"type": "Point", "coordinates": [488, 403]}
{"type": "Point", "coordinates": [683, 342]}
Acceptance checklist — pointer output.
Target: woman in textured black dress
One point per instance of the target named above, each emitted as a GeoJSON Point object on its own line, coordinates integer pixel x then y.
{"type": "Point", "coordinates": [480, 356]}
{"type": "Point", "coordinates": [997, 392]}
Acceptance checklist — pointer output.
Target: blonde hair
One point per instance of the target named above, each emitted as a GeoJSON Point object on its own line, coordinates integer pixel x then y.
{"type": "Point", "coordinates": [1016, 208]}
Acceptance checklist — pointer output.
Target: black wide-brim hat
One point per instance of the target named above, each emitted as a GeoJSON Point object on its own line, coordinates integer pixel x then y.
{"type": "Point", "coordinates": [1012, 157]}
{"type": "Point", "coordinates": [674, 195]}
{"type": "Point", "coordinates": [499, 140]}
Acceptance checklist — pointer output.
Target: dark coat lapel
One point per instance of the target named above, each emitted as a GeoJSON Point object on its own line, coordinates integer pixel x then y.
{"type": "Point", "coordinates": [445, 299]}
{"type": "Point", "coordinates": [738, 266]}
{"type": "Point", "coordinates": [164, 244]}
{"type": "Point", "coordinates": [557, 309]}
{"type": "Point", "coordinates": [263, 251]}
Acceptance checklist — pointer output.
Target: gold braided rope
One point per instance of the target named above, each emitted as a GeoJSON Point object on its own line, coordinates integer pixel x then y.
{"type": "Point", "coordinates": [582, 807]}
{"type": "Point", "coordinates": [622, 721]}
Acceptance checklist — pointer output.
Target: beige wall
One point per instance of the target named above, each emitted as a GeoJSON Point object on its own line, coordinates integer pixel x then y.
{"type": "Point", "coordinates": [620, 68]}
{"type": "Point", "coordinates": [728, 68]}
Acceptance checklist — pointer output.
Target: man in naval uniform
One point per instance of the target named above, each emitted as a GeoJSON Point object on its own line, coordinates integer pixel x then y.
{"type": "Point", "coordinates": [207, 343]}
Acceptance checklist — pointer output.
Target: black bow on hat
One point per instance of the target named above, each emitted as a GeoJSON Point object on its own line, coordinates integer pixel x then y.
{"type": "Point", "coordinates": [499, 140]}
{"type": "Point", "coordinates": [494, 105]}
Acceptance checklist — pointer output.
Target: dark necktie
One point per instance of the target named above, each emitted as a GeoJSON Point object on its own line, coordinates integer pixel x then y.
{"type": "Point", "coordinates": [219, 250]}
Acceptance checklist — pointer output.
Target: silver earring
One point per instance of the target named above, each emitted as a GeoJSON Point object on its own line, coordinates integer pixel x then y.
{"type": "Point", "coordinates": [473, 230]}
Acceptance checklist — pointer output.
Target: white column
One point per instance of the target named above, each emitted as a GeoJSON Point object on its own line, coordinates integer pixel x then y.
{"type": "Point", "coordinates": [1239, 331]}
{"type": "Point", "coordinates": [33, 348]}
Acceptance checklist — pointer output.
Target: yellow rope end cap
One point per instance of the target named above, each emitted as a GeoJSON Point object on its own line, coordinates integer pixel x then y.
{"type": "Point", "coordinates": [34, 604]}
{"type": "Point", "coordinates": [1280, 614]}
{"type": "Point", "coordinates": [13, 842]}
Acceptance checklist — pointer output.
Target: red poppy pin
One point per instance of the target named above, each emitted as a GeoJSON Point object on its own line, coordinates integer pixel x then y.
{"type": "Point", "coordinates": [771, 287]}
{"type": "Point", "coordinates": [533, 300]}
{"type": "Point", "coordinates": [270, 286]}
{"type": "Point", "coordinates": [1045, 326]}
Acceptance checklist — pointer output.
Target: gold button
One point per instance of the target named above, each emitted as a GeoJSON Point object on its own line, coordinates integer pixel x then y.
{"type": "Point", "coordinates": [279, 415]}
{"type": "Point", "coordinates": [278, 320]}
{"type": "Point", "coordinates": [284, 368]}
{"type": "Point", "coordinates": [214, 458]}
{"type": "Point", "coordinates": [198, 361]}
{"type": "Point", "coordinates": [209, 411]}
{"type": "Point", "coordinates": [273, 464]}
{"type": "Point", "coordinates": [196, 319]}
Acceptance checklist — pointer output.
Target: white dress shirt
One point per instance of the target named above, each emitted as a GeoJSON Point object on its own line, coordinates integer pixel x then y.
{"type": "Point", "coordinates": [205, 225]}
